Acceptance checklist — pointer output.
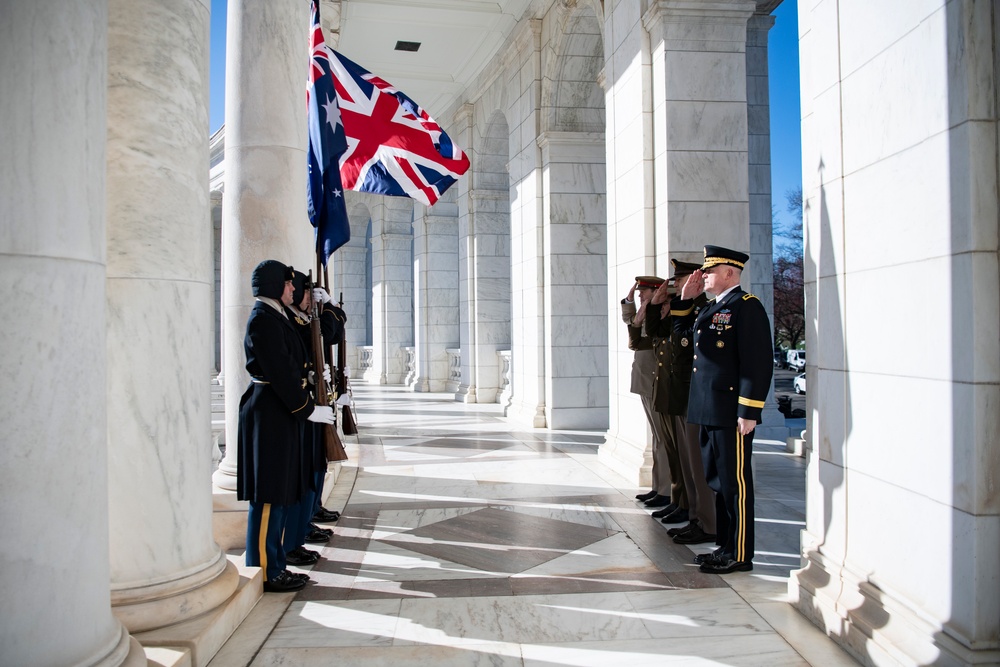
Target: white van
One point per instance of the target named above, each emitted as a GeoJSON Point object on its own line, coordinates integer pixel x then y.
{"type": "Point", "coordinates": [796, 359]}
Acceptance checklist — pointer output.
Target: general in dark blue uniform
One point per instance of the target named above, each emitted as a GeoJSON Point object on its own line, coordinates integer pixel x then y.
{"type": "Point", "coordinates": [730, 378]}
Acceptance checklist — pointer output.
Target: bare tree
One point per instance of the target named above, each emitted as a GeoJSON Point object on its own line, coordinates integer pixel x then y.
{"type": "Point", "coordinates": [789, 296]}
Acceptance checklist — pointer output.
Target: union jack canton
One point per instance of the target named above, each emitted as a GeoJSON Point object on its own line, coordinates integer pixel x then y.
{"type": "Point", "coordinates": [393, 146]}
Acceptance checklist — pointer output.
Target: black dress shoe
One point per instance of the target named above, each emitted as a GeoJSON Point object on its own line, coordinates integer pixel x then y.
{"type": "Point", "coordinates": [298, 575]}
{"type": "Point", "coordinates": [300, 556]}
{"type": "Point", "coordinates": [323, 515]}
{"type": "Point", "coordinates": [677, 516]}
{"type": "Point", "coordinates": [704, 558]}
{"type": "Point", "coordinates": [680, 530]}
{"type": "Point", "coordinates": [317, 537]}
{"type": "Point", "coordinates": [657, 501]}
{"type": "Point", "coordinates": [327, 531]}
{"type": "Point", "coordinates": [284, 583]}
{"type": "Point", "coordinates": [645, 496]}
{"type": "Point", "coordinates": [666, 511]}
{"type": "Point", "coordinates": [694, 536]}
{"type": "Point", "coordinates": [725, 566]}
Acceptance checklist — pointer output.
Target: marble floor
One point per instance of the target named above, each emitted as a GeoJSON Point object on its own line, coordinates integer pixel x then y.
{"type": "Point", "coordinates": [465, 540]}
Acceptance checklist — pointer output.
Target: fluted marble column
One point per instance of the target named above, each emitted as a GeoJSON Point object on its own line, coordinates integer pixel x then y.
{"type": "Point", "coordinates": [349, 278]}
{"type": "Point", "coordinates": [53, 463]}
{"type": "Point", "coordinates": [165, 566]}
{"type": "Point", "coordinates": [263, 207]}
{"type": "Point", "coordinates": [435, 291]}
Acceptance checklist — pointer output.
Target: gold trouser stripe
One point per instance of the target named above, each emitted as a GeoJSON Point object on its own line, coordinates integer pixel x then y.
{"type": "Point", "coordinates": [740, 500]}
{"type": "Point", "coordinates": [749, 402]}
{"type": "Point", "coordinates": [265, 516]}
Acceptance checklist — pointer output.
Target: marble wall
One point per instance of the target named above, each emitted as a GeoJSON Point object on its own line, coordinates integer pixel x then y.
{"type": "Point", "coordinates": [900, 183]}
{"type": "Point", "coordinates": [392, 287]}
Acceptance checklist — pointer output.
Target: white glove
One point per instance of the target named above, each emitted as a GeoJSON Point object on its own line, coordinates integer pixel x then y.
{"type": "Point", "coordinates": [320, 296]}
{"type": "Point", "coordinates": [326, 374]}
{"type": "Point", "coordinates": [322, 414]}
{"type": "Point", "coordinates": [343, 400]}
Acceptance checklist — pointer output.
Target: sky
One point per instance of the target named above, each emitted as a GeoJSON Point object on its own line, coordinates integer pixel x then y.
{"type": "Point", "coordinates": [783, 69]}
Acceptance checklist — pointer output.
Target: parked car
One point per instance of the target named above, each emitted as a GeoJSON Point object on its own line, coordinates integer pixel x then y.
{"type": "Point", "coordinates": [796, 360]}
{"type": "Point", "coordinates": [799, 383]}
{"type": "Point", "coordinates": [779, 360]}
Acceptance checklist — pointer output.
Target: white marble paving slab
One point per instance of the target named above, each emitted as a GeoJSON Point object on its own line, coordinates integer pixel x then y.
{"type": "Point", "coordinates": [347, 623]}
{"type": "Point", "coordinates": [615, 554]}
{"type": "Point", "coordinates": [749, 651]}
{"type": "Point", "coordinates": [488, 655]}
{"type": "Point", "coordinates": [705, 612]}
{"type": "Point", "coordinates": [541, 618]}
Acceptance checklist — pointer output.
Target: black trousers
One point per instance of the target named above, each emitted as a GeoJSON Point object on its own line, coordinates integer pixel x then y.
{"type": "Point", "coordinates": [726, 456]}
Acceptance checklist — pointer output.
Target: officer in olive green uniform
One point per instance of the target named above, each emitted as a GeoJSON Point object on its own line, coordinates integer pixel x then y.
{"type": "Point", "coordinates": [677, 354]}
{"type": "Point", "coordinates": [730, 379]}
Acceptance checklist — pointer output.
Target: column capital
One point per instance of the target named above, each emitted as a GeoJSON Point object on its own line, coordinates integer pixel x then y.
{"type": "Point", "coordinates": [699, 26]}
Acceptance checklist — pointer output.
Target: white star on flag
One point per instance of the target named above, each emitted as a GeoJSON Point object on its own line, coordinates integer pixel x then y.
{"type": "Point", "coordinates": [332, 113]}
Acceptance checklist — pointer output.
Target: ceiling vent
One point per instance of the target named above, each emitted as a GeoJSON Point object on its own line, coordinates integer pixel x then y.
{"type": "Point", "coordinates": [407, 46]}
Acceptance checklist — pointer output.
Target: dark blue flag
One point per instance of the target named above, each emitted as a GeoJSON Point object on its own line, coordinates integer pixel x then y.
{"type": "Point", "coordinates": [327, 142]}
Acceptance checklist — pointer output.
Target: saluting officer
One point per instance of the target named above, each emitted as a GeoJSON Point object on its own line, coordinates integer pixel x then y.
{"type": "Point", "coordinates": [730, 378]}
{"type": "Point", "coordinates": [273, 412]}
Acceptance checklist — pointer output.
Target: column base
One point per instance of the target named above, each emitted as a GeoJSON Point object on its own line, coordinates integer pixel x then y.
{"type": "Point", "coordinates": [529, 415]}
{"type": "Point", "coordinates": [224, 476]}
{"type": "Point", "coordinates": [202, 637]}
{"type": "Point", "coordinates": [229, 519]}
{"type": "Point", "coordinates": [466, 394]}
{"type": "Point", "coordinates": [629, 459]}
{"type": "Point", "coordinates": [143, 608]}
{"type": "Point", "coordinates": [126, 652]}
{"type": "Point", "coordinates": [872, 625]}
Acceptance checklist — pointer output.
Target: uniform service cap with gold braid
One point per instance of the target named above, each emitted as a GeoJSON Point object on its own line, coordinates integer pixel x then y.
{"type": "Point", "coordinates": [683, 268]}
{"type": "Point", "coordinates": [649, 282]}
{"type": "Point", "coordinates": [715, 255]}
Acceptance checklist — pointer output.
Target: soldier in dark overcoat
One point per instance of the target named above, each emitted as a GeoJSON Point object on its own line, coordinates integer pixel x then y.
{"type": "Point", "coordinates": [273, 412]}
{"type": "Point", "coordinates": [730, 379]}
{"type": "Point", "coordinates": [299, 528]}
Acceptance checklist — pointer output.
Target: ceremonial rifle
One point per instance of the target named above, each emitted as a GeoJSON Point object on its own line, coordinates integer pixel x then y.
{"type": "Point", "coordinates": [331, 439]}
{"type": "Point", "coordinates": [347, 423]}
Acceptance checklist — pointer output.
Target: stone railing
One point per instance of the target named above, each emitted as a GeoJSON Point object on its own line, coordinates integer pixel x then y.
{"type": "Point", "coordinates": [454, 368]}
{"type": "Point", "coordinates": [218, 401]}
{"type": "Point", "coordinates": [504, 392]}
{"type": "Point", "coordinates": [410, 355]}
{"type": "Point", "coordinates": [366, 355]}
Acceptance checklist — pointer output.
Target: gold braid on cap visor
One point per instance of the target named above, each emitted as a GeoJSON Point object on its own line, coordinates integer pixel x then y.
{"type": "Point", "coordinates": [715, 261]}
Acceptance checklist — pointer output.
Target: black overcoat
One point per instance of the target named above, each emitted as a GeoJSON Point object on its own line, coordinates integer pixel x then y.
{"type": "Point", "coordinates": [732, 363]}
{"type": "Point", "coordinates": [675, 358]}
{"type": "Point", "coordinates": [273, 411]}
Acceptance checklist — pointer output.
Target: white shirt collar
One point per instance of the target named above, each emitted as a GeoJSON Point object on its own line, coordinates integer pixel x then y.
{"type": "Point", "coordinates": [721, 296]}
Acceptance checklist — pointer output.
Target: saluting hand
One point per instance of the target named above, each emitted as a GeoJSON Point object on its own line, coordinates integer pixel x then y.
{"type": "Point", "coordinates": [631, 293]}
{"type": "Point", "coordinates": [694, 285]}
{"type": "Point", "coordinates": [661, 295]}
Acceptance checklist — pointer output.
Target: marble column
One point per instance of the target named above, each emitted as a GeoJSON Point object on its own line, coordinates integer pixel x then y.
{"type": "Point", "coordinates": [348, 278]}
{"type": "Point", "coordinates": [56, 609]}
{"type": "Point", "coordinates": [526, 230]}
{"type": "Point", "coordinates": [760, 280]}
{"type": "Point", "coordinates": [631, 231]}
{"type": "Point", "coordinates": [484, 279]}
{"type": "Point", "coordinates": [264, 209]}
{"type": "Point", "coordinates": [575, 278]}
{"type": "Point", "coordinates": [392, 285]}
{"type": "Point", "coordinates": [435, 291]}
{"type": "Point", "coordinates": [165, 566]}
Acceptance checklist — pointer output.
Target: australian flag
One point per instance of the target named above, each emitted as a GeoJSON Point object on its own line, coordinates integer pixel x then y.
{"type": "Point", "coordinates": [393, 146]}
{"type": "Point", "coordinates": [327, 142]}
